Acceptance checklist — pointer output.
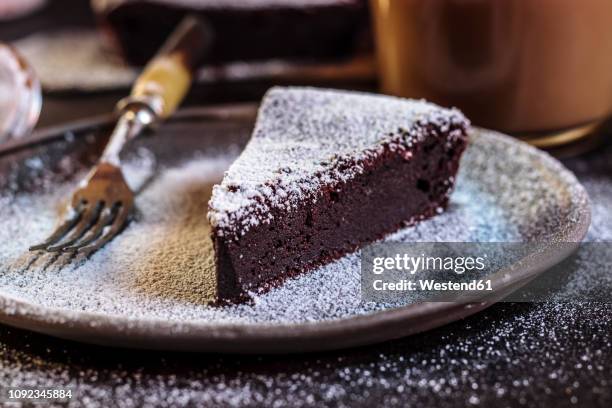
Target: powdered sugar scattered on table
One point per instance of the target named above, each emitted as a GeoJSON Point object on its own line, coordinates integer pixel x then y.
{"type": "Point", "coordinates": [545, 354]}
{"type": "Point", "coordinates": [301, 139]}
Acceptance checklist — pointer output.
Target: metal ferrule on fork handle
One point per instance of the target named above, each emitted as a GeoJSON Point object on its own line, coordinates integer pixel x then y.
{"type": "Point", "coordinates": [136, 114]}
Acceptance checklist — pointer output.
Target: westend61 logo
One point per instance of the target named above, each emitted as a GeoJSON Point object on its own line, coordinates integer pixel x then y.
{"type": "Point", "coordinates": [424, 271]}
{"type": "Point", "coordinates": [412, 265]}
{"type": "Point", "coordinates": [440, 271]}
{"type": "Point", "coordinates": [473, 272]}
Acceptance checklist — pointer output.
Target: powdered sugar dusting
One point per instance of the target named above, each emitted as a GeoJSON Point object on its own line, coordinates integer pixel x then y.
{"type": "Point", "coordinates": [303, 138]}
{"type": "Point", "coordinates": [151, 270]}
{"type": "Point", "coordinates": [544, 354]}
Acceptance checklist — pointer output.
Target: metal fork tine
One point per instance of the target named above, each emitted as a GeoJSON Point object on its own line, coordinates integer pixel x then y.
{"type": "Point", "coordinates": [59, 232]}
{"type": "Point", "coordinates": [118, 224]}
{"type": "Point", "coordinates": [90, 216]}
{"type": "Point", "coordinates": [97, 230]}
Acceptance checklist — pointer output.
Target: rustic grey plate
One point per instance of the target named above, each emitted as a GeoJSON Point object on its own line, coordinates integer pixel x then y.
{"type": "Point", "coordinates": [506, 191]}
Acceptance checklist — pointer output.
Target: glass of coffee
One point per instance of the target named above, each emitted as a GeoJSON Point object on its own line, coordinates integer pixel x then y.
{"type": "Point", "coordinates": [539, 69]}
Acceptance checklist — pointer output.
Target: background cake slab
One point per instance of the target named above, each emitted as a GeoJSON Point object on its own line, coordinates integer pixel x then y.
{"type": "Point", "coordinates": [162, 305]}
{"type": "Point", "coordinates": [73, 60]}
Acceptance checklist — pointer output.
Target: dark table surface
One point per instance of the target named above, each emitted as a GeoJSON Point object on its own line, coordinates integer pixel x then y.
{"type": "Point", "coordinates": [512, 354]}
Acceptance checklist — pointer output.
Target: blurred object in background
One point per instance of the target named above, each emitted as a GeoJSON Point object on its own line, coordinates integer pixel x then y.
{"type": "Point", "coordinates": [53, 15]}
{"type": "Point", "coordinates": [244, 30]}
{"type": "Point", "coordinates": [12, 9]}
{"type": "Point", "coordinates": [80, 77]}
{"type": "Point", "coordinates": [541, 70]}
{"type": "Point", "coordinates": [20, 95]}
{"type": "Point", "coordinates": [72, 60]}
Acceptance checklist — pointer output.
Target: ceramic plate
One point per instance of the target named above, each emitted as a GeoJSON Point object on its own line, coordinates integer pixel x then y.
{"type": "Point", "coordinates": [146, 288]}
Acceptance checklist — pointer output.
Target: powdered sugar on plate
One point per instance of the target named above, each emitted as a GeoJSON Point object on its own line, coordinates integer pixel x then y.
{"type": "Point", "coordinates": [160, 267]}
{"type": "Point", "coordinates": [545, 354]}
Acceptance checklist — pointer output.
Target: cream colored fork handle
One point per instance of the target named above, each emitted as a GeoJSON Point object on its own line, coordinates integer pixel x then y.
{"type": "Point", "coordinates": [167, 77]}
{"type": "Point", "coordinates": [161, 86]}
{"type": "Point", "coordinates": [164, 83]}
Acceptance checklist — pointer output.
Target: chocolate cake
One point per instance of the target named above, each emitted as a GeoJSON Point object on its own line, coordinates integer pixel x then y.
{"type": "Point", "coordinates": [242, 30]}
{"type": "Point", "coordinates": [325, 173]}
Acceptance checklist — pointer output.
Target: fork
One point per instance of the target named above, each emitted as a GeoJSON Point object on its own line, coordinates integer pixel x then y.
{"type": "Point", "coordinates": [103, 203]}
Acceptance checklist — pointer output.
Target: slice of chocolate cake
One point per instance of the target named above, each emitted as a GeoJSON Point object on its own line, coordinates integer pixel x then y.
{"type": "Point", "coordinates": [242, 30]}
{"type": "Point", "coordinates": [325, 173]}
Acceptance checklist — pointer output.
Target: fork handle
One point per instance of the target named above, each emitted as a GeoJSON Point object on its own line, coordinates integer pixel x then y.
{"type": "Point", "coordinates": [165, 80]}
{"type": "Point", "coordinates": [161, 86]}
